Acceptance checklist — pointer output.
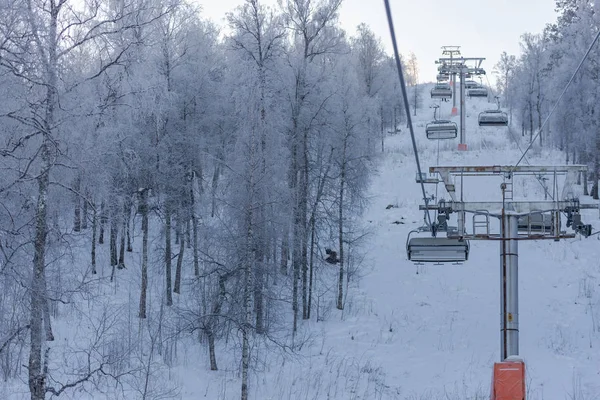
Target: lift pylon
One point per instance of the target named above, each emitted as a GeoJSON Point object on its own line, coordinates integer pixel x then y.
{"type": "Point", "coordinates": [542, 222]}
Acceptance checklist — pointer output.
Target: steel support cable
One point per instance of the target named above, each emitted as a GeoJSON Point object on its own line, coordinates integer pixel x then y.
{"type": "Point", "coordinates": [406, 106]}
{"type": "Point", "coordinates": [559, 98]}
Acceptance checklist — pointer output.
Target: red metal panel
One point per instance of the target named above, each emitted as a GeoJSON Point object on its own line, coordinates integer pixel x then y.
{"type": "Point", "coordinates": [508, 382]}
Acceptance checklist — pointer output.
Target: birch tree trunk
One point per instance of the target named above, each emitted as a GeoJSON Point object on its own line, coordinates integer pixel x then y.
{"type": "Point", "coordinates": [143, 196]}
{"type": "Point", "coordinates": [177, 285]}
{"type": "Point", "coordinates": [94, 229]}
{"type": "Point", "coordinates": [169, 297]}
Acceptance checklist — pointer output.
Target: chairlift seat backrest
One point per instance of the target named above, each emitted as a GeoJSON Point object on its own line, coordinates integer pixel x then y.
{"type": "Point", "coordinates": [442, 90]}
{"type": "Point", "coordinates": [437, 249]}
{"type": "Point", "coordinates": [477, 92]}
{"type": "Point", "coordinates": [536, 223]}
{"type": "Point", "coordinates": [441, 129]}
{"type": "Point", "coordinates": [493, 118]}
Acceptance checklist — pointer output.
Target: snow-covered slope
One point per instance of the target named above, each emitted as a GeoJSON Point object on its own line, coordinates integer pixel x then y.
{"type": "Point", "coordinates": [407, 335]}
{"type": "Point", "coordinates": [435, 334]}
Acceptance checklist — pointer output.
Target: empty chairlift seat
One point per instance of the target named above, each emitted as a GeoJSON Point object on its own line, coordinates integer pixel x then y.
{"type": "Point", "coordinates": [437, 249]}
{"type": "Point", "coordinates": [479, 91]}
{"type": "Point", "coordinates": [493, 118]}
{"type": "Point", "coordinates": [470, 84]}
{"type": "Point", "coordinates": [536, 223]}
{"type": "Point", "coordinates": [441, 90]}
{"type": "Point", "coordinates": [441, 129]}
{"type": "Point", "coordinates": [443, 77]}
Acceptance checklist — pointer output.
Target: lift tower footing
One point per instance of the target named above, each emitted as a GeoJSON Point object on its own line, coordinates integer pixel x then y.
{"type": "Point", "coordinates": [508, 381]}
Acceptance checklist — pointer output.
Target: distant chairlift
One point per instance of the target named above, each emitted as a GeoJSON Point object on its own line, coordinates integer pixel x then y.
{"type": "Point", "coordinates": [441, 90]}
{"type": "Point", "coordinates": [471, 84]}
{"type": "Point", "coordinates": [440, 129]}
{"type": "Point", "coordinates": [493, 117]}
{"type": "Point", "coordinates": [478, 91]}
{"type": "Point", "coordinates": [443, 77]}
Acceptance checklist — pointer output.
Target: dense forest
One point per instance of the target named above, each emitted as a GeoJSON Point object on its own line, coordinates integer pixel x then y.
{"type": "Point", "coordinates": [533, 82]}
{"type": "Point", "coordinates": [169, 184]}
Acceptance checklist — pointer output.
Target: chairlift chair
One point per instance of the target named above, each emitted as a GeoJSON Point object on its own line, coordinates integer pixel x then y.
{"type": "Point", "coordinates": [479, 91]}
{"type": "Point", "coordinates": [536, 223]}
{"type": "Point", "coordinates": [436, 249]}
{"type": "Point", "coordinates": [493, 117]}
{"type": "Point", "coordinates": [443, 77]}
{"type": "Point", "coordinates": [440, 129]}
{"type": "Point", "coordinates": [441, 90]}
{"type": "Point", "coordinates": [471, 84]}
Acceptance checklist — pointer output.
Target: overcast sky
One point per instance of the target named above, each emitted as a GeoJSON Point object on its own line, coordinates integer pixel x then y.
{"type": "Point", "coordinates": [483, 28]}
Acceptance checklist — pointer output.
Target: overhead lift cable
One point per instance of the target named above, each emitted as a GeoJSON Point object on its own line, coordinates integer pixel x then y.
{"type": "Point", "coordinates": [587, 53]}
{"type": "Point", "coordinates": [405, 98]}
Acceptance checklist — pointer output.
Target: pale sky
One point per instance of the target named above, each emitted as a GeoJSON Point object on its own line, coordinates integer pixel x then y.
{"type": "Point", "coordinates": [483, 28]}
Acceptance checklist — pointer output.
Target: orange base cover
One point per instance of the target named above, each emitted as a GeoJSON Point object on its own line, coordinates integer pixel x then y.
{"type": "Point", "coordinates": [508, 382]}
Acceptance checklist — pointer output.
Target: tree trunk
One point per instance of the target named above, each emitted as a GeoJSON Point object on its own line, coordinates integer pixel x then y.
{"type": "Point", "coordinates": [114, 260]}
{"type": "Point", "coordinates": [382, 130]}
{"type": "Point", "coordinates": [128, 218]}
{"type": "Point", "coordinates": [596, 173]}
{"type": "Point", "coordinates": [169, 298]}
{"type": "Point", "coordinates": [195, 246]}
{"type": "Point", "coordinates": [311, 265]}
{"type": "Point", "coordinates": [530, 121]}
{"type": "Point", "coordinates": [247, 305]}
{"type": "Point", "coordinates": [77, 200]}
{"type": "Point", "coordinates": [121, 264]}
{"type": "Point", "coordinates": [103, 221]}
{"type": "Point", "coordinates": [539, 113]}
{"type": "Point", "coordinates": [283, 266]}
{"type": "Point", "coordinates": [212, 323]}
{"type": "Point", "coordinates": [37, 385]}
{"type": "Point", "coordinates": [192, 214]}
{"type": "Point", "coordinates": [211, 351]}
{"type": "Point", "coordinates": [47, 322]}
{"type": "Point", "coordinates": [177, 285]}
{"type": "Point", "coordinates": [144, 211]}
{"type": "Point", "coordinates": [340, 297]}
{"type": "Point", "coordinates": [85, 211]}
{"type": "Point", "coordinates": [215, 183]}
{"type": "Point", "coordinates": [94, 228]}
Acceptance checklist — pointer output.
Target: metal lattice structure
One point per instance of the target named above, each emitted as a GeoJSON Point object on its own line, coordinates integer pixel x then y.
{"type": "Point", "coordinates": [519, 220]}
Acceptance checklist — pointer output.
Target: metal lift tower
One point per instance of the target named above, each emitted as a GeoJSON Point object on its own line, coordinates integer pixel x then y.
{"type": "Point", "coordinates": [463, 67]}
{"type": "Point", "coordinates": [519, 221]}
{"type": "Point", "coordinates": [452, 51]}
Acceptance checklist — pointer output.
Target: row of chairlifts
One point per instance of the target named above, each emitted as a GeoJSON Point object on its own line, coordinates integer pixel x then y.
{"type": "Point", "coordinates": [493, 117]}
{"type": "Point", "coordinates": [440, 129]}
{"type": "Point", "coordinates": [442, 89]}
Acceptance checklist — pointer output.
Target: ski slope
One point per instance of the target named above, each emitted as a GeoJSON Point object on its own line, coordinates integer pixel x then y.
{"type": "Point", "coordinates": [436, 334]}
{"type": "Point", "coordinates": [405, 335]}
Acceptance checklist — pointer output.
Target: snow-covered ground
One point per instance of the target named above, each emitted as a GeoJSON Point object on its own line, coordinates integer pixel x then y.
{"type": "Point", "coordinates": [418, 336]}
{"type": "Point", "coordinates": [436, 334]}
